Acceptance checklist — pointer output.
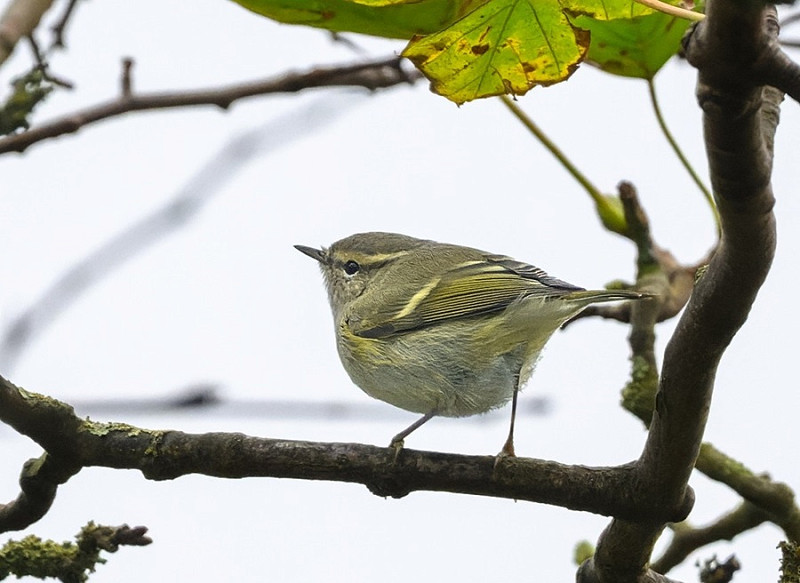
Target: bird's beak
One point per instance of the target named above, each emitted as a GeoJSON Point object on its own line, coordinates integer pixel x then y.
{"type": "Point", "coordinates": [311, 252]}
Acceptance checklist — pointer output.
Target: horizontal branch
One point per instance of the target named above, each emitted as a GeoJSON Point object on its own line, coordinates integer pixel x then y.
{"type": "Point", "coordinates": [371, 75]}
{"type": "Point", "coordinates": [72, 443]}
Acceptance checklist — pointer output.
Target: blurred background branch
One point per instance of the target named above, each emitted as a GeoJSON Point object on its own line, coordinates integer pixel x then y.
{"type": "Point", "coordinates": [184, 206]}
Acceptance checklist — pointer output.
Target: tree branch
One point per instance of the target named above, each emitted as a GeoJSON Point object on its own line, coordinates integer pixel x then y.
{"type": "Point", "coordinates": [728, 48]}
{"type": "Point", "coordinates": [45, 559]}
{"type": "Point", "coordinates": [687, 539]}
{"type": "Point", "coordinates": [775, 499]}
{"type": "Point", "coordinates": [72, 443]}
{"type": "Point", "coordinates": [766, 500]}
{"type": "Point", "coordinates": [675, 280]}
{"type": "Point", "coordinates": [38, 482]}
{"type": "Point", "coordinates": [60, 27]}
{"type": "Point", "coordinates": [371, 75]}
{"type": "Point", "coordinates": [740, 171]}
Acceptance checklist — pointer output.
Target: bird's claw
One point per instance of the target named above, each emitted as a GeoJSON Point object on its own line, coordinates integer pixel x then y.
{"type": "Point", "coordinates": [505, 453]}
{"type": "Point", "coordinates": [397, 446]}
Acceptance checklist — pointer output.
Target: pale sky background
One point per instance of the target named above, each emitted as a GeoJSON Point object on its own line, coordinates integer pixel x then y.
{"type": "Point", "coordinates": [228, 301]}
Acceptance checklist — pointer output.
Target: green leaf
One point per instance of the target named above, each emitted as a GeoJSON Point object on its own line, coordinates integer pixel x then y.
{"type": "Point", "coordinates": [29, 90]}
{"type": "Point", "coordinates": [501, 47]}
{"type": "Point", "coordinates": [606, 9]}
{"type": "Point", "coordinates": [637, 47]}
{"type": "Point", "coordinates": [387, 18]}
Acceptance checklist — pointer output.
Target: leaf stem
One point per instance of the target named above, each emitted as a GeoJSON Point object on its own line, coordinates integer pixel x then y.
{"type": "Point", "coordinates": [679, 153]}
{"type": "Point", "coordinates": [672, 10]}
{"type": "Point", "coordinates": [590, 188]}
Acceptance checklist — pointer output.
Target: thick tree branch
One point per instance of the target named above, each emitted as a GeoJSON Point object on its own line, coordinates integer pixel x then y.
{"type": "Point", "coordinates": [771, 501]}
{"type": "Point", "coordinates": [740, 170]}
{"type": "Point", "coordinates": [72, 443]}
{"type": "Point", "coordinates": [371, 75]}
{"type": "Point", "coordinates": [729, 48]}
{"type": "Point", "coordinates": [766, 500]}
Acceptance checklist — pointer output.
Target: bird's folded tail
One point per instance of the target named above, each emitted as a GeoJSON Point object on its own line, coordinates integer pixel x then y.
{"type": "Point", "coordinates": [598, 296]}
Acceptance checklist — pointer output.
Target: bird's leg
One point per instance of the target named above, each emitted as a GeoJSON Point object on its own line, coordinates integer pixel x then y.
{"type": "Point", "coordinates": [397, 440]}
{"type": "Point", "coordinates": [508, 447]}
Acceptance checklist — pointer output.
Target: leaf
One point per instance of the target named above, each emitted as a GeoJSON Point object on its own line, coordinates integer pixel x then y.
{"type": "Point", "coordinates": [606, 9]}
{"type": "Point", "coordinates": [387, 18]}
{"type": "Point", "coordinates": [637, 47]}
{"type": "Point", "coordinates": [29, 90]}
{"type": "Point", "coordinates": [501, 47]}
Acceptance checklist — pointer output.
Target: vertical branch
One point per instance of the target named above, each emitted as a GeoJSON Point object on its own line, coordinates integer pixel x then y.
{"type": "Point", "coordinates": [729, 49]}
{"type": "Point", "coordinates": [741, 165]}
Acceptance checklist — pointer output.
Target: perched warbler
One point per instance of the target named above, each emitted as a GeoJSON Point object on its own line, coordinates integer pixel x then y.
{"type": "Point", "coordinates": [442, 329]}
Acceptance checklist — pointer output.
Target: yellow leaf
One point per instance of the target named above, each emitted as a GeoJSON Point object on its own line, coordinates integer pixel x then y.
{"type": "Point", "coordinates": [501, 47]}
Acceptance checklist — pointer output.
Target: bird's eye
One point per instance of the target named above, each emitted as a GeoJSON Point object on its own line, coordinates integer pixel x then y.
{"type": "Point", "coordinates": [351, 267]}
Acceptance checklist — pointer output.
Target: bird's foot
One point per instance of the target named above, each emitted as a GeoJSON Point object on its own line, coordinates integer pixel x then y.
{"type": "Point", "coordinates": [505, 453]}
{"type": "Point", "coordinates": [396, 445]}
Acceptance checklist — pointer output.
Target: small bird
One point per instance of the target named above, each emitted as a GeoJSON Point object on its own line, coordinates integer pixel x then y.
{"type": "Point", "coordinates": [442, 330]}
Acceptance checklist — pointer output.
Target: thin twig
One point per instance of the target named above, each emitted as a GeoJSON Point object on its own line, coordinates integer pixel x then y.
{"type": "Point", "coordinates": [60, 26]}
{"type": "Point", "coordinates": [687, 539]}
{"type": "Point", "coordinates": [43, 66]}
{"type": "Point", "coordinates": [372, 75]}
{"type": "Point", "coordinates": [126, 80]}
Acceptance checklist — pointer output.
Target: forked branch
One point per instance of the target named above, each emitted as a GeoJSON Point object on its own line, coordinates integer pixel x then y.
{"type": "Point", "coordinates": [732, 49]}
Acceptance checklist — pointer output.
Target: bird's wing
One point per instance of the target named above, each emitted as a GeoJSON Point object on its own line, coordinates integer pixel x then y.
{"type": "Point", "coordinates": [470, 289]}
